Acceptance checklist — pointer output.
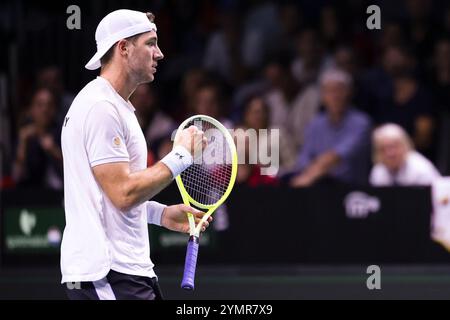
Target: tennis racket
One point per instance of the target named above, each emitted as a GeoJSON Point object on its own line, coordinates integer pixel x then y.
{"type": "Point", "coordinates": [207, 183]}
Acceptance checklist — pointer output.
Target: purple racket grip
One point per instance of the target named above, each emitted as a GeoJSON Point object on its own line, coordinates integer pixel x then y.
{"type": "Point", "coordinates": [190, 263]}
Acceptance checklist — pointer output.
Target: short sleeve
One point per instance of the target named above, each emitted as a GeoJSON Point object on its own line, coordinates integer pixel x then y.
{"type": "Point", "coordinates": [104, 135]}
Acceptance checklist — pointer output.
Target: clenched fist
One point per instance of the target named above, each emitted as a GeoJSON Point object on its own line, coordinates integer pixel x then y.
{"type": "Point", "coordinates": [192, 139]}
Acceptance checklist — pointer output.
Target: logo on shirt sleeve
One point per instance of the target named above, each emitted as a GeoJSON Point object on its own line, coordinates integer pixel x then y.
{"type": "Point", "coordinates": [116, 142]}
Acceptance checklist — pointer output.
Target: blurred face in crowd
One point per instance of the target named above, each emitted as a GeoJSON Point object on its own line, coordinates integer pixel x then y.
{"type": "Point", "coordinates": [395, 60]}
{"type": "Point", "coordinates": [207, 101]}
{"type": "Point", "coordinates": [256, 114]}
{"type": "Point", "coordinates": [143, 56]}
{"type": "Point", "coordinates": [43, 108]}
{"type": "Point", "coordinates": [391, 151]}
{"type": "Point", "coordinates": [335, 97]}
{"type": "Point", "coordinates": [143, 99]}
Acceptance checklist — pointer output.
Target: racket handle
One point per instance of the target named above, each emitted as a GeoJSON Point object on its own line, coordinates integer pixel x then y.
{"type": "Point", "coordinates": [190, 263]}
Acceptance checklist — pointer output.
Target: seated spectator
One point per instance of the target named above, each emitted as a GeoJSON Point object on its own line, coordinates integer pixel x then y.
{"type": "Point", "coordinates": [256, 118]}
{"type": "Point", "coordinates": [396, 162]}
{"type": "Point", "coordinates": [38, 159]}
{"type": "Point", "coordinates": [335, 141]}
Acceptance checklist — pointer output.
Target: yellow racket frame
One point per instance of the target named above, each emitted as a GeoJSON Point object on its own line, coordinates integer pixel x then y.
{"type": "Point", "coordinates": [187, 199]}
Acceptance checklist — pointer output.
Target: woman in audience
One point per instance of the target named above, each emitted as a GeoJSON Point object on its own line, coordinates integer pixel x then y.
{"type": "Point", "coordinates": [396, 161]}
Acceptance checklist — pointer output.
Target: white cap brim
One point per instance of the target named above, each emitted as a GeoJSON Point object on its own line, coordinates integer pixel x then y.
{"type": "Point", "coordinates": [94, 63]}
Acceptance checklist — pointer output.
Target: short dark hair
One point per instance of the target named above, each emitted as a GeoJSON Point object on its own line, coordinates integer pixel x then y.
{"type": "Point", "coordinates": [109, 54]}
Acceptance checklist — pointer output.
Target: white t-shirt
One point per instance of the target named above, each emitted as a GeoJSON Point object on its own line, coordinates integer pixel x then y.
{"type": "Point", "coordinates": [417, 170]}
{"type": "Point", "coordinates": [101, 127]}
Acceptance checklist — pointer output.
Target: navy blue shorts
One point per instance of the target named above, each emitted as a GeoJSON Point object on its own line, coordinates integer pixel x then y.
{"type": "Point", "coordinates": [115, 286]}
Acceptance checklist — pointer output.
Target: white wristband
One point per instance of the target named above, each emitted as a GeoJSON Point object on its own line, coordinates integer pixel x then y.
{"type": "Point", "coordinates": [178, 160]}
{"type": "Point", "coordinates": [154, 212]}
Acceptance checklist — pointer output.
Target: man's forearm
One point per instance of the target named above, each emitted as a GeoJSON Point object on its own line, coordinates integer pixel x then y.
{"type": "Point", "coordinates": [144, 185]}
{"type": "Point", "coordinates": [127, 189]}
{"type": "Point", "coordinates": [322, 165]}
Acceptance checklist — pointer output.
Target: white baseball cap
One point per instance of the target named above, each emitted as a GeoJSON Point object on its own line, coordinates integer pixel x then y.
{"type": "Point", "coordinates": [117, 25]}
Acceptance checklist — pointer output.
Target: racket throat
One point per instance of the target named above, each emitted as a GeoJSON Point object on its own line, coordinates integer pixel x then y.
{"type": "Point", "coordinates": [194, 238]}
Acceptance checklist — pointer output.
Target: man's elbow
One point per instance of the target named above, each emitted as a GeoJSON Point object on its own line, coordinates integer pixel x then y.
{"type": "Point", "coordinates": [125, 201]}
{"type": "Point", "coordinates": [124, 205]}
{"type": "Point", "coordinates": [127, 204]}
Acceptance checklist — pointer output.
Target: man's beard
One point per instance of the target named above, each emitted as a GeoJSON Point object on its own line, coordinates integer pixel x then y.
{"type": "Point", "coordinates": [139, 75]}
{"type": "Point", "coordinates": [144, 77]}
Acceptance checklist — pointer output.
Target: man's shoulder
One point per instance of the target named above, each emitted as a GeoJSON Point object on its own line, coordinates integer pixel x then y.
{"type": "Point", "coordinates": [420, 162]}
{"type": "Point", "coordinates": [94, 91]}
{"type": "Point", "coordinates": [420, 169]}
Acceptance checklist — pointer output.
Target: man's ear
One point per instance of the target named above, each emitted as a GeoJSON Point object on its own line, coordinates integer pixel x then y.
{"type": "Point", "coordinates": [122, 47]}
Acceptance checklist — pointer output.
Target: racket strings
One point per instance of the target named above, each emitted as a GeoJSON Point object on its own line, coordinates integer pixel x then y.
{"type": "Point", "coordinates": [205, 187]}
{"type": "Point", "coordinates": [207, 180]}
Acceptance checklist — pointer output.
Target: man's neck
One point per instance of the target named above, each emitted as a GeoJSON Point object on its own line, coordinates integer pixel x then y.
{"type": "Point", "coordinates": [120, 80]}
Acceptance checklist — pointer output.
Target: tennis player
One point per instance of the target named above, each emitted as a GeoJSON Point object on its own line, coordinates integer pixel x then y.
{"type": "Point", "coordinates": [105, 251]}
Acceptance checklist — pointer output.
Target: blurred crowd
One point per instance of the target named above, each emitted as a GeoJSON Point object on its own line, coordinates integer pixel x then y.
{"type": "Point", "coordinates": [351, 104]}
